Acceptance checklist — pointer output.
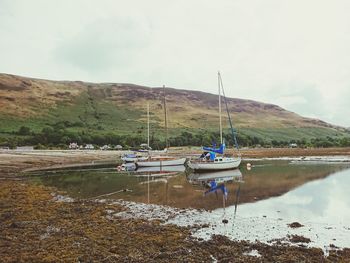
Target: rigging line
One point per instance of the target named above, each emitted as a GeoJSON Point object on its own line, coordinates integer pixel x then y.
{"type": "Point", "coordinates": [219, 91]}
{"type": "Point", "coordinates": [233, 131]}
{"type": "Point", "coordinates": [148, 126]}
{"type": "Point", "coordinates": [165, 118]}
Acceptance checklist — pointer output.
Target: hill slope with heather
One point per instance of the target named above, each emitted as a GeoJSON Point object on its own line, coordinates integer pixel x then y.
{"type": "Point", "coordinates": [91, 109]}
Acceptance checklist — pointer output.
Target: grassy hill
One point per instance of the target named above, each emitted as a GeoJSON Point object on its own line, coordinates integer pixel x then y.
{"type": "Point", "coordinates": [90, 109]}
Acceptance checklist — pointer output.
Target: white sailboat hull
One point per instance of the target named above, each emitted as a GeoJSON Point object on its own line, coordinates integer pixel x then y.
{"type": "Point", "coordinates": [225, 164]}
{"type": "Point", "coordinates": [159, 163]}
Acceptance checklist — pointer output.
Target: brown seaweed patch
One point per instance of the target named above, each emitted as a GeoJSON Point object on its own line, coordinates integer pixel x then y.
{"type": "Point", "coordinates": [298, 239]}
{"type": "Point", "coordinates": [295, 225]}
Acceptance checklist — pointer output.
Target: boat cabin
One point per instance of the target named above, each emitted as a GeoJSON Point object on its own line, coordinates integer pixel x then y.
{"type": "Point", "coordinates": [218, 159]}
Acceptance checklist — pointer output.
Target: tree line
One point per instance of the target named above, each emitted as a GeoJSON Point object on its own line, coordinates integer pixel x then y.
{"type": "Point", "coordinates": [59, 137]}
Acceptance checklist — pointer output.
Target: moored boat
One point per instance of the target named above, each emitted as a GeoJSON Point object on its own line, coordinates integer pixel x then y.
{"type": "Point", "coordinates": [159, 161]}
{"type": "Point", "coordinates": [219, 163]}
{"type": "Point", "coordinates": [209, 161]}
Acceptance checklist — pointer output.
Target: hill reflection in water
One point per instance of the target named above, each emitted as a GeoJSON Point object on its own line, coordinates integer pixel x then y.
{"type": "Point", "coordinates": [175, 187]}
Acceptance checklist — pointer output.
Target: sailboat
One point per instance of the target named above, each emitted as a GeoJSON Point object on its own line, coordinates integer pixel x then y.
{"type": "Point", "coordinates": [161, 160]}
{"type": "Point", "coordinates": [209, 161]}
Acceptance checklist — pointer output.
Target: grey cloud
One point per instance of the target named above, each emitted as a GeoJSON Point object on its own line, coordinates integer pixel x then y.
{"type": "Point", "coordinates": [4, 7]}
{"type": "Point", "coordinates": [105, 44]}
{"type": "Point", "coordinates": [314, 104]}
{"type": "Point", "coordinates": [341, 108]}
{"type": "Point", "coordinates": [300, 97]}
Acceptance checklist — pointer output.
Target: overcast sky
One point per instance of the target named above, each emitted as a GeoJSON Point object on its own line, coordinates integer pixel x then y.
{"type": "Point", "coordinates": [293, 53]}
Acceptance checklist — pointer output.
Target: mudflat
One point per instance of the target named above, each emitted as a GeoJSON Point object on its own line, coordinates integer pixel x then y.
{"type": "Point", "coordinates": [39, 224]}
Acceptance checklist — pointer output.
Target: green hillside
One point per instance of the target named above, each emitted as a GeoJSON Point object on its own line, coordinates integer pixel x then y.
{"type": "Point", "coordinates": [35, 111]}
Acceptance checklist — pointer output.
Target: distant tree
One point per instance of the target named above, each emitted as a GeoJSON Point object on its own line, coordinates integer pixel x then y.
{"type": "Point", "coordinates": [40, 147]}
{"type": "Point", "coordinates": [344, 142]}
{"type": "Point", "coordinates": [99, 139]}
{"type": "Point", "coordinates": [59, 125]}
{"type": "Point", "coordinates": [13, 144]}
{"type": "Point", "coordinates": [275, 143]}
{"type": "Point", "coordinates": [24, 130]}
{"type": "Point", "coordinates": [65, 140]}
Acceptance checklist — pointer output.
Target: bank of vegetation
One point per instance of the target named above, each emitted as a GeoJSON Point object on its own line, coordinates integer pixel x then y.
{"type": "Point", "coordinates": [59, 136]}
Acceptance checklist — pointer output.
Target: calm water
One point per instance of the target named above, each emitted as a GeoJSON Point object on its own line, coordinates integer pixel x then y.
{"type": "Point", "coordinates": [261, 202]}
{"type": "Point", "coordinates": [177, 188]}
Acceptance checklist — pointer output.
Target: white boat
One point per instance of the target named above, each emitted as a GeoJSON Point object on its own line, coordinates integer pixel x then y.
{"type": "Point", "coordinates": [219, 162]}
{"type": "Point", "coordinates": [161, 161]}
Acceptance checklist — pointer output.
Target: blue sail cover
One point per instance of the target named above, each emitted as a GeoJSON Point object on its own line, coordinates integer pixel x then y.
{"type": "Point", "coordinates": [216, 150]}
{"type": "Point", "coordinates": [212, 156]}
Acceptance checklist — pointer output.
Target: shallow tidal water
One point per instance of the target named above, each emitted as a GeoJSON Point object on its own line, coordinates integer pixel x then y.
{"type": "Point", "coordinates": [259, 205]}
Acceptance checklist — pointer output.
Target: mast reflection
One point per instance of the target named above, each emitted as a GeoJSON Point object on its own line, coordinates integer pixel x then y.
{"type": "Point", "coordinates": [158, 175]}
{"type": "Point", "coordinates": [217, 182]}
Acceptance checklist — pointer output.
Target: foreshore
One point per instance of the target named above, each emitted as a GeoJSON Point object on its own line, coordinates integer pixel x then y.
{"type": "Point", "coordinates": [37, 225]}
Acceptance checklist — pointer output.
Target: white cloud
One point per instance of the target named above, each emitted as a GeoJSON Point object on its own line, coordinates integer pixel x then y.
{"type": "Point", "coordinates": [290, 52]}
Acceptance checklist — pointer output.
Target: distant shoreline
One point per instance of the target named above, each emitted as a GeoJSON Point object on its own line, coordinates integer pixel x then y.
{"type": "Point", "coordinates": [14, 160]}
{"type": "Point", "coordinates": [293, 152]}
{"type": "Point", "coordinates": [189, 150]}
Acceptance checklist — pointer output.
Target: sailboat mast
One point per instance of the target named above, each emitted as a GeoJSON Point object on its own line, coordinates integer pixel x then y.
{"type": "Point", "coordinates": [165, 119]}
{"type": "Point", "coordinates": [219, 86]}
{"type": "Point", "coordinates": [148, 125]}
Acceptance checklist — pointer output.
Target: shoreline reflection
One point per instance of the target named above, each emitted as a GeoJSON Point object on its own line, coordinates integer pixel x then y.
{"type": "Point", "coordinates": [174, 187]}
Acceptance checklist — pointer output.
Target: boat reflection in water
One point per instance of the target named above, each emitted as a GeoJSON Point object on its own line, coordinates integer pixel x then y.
{"type": "Point", "coordinates": [176, 168]}
{"type": "Point", "coordinates": [219, 177]}
{"type": "Point", "coordinates": [131, 167]}
{"type": "Point", "coordinates": [216, 182]}
{"type": "Point", "coordinates": [154, 172]}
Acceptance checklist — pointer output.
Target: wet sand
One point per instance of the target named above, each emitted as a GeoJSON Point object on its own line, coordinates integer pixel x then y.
{"type": "Point", "coordinates": [38, 225]}
{"type": "Point", "coordinates": [293, 152]}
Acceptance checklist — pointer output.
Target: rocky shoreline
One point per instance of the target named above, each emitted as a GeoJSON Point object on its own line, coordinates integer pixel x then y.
{"type": "Point", "coordinates": [38, 225]}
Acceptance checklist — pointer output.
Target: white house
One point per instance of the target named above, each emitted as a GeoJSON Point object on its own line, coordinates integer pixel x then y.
{"type": "Point", "coordinates": [89, 147]}
{"type": "Point", "coordinates": [119, 147]}
{"type": "Point", "coordinates": [73, 146]}
{"type": "Point", "coordinates": [24, 148]}
{"type": "Point", "coordinates": [105, 147]}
